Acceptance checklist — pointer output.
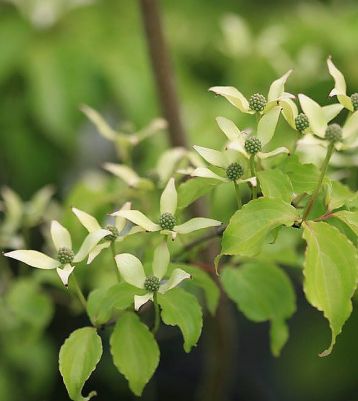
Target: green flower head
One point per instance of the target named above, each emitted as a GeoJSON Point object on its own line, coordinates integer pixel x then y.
{"type": "Point", "coordinates": [167, 220]}
{"type": "Point", "coordinates": [132, 272]}
{"type": "Point", "coordinates": [65, 258]}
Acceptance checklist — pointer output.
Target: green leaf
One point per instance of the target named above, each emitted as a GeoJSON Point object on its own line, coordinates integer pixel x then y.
{"type": "Point", "coordinates": [276, 184]}
{"type": "Point", "coordinates": [331, 273]}
{"type": "Point", "coordinates": [194, 188]}
{"type": "Point", "coordinates": [337, 195]}
{"type": "Point", "coordinates": [249, 227]}
{"type": "Point", "coordinates": [349, 218]}
{"type": "Point", "coordinates": [304, 177]}
{"type": "Point", "coordinates": [262, 292]}
{"type": "Point", "coordinates": [180, 308]}
{"type": "Point", "coordinates": [285, 249]}
{"type": "Point", "coordinates": [135, 351]}
{"type": "Point", "coordinates": [102, 303]}
{"type": "Point", "coordinates": [202, 279]}
{"type": "Point", "coordinates": [78, 358]}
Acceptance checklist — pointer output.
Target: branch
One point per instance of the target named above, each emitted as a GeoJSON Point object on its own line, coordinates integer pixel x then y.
{"type": "Point", "coordinates": [163, 71]}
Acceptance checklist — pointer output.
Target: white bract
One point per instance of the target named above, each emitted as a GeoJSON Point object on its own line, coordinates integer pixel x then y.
{"type": "Point", "coordinates": [22, 214]}
{"type": "Point", "coordinates": [63, 244]}
{"type": "Point", "coordinates": [340, 87]}
{"type": "Point", "coordinates": [236, 138]}
{"type": "Point", "coordinates": [169, 162]}
{"type": "Point", "coordinates": [319, 117]}
{"type": "Point", "coordinates": [132, 272]}
{"type": "Point", "coordinates": [129, 176]}
{"type": "Point", "coordinates": [118, 232]}
{"type": "Point", "coordinates": [222, 160]}
{"type": "Point", "coordinates": [122, 140]}
{"type": "Point", "coordinates": [274, 96]}
{"type": "Point", "coordinates": [167, 224]}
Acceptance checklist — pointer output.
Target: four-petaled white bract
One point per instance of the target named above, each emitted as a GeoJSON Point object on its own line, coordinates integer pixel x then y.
{"type": "Point", "coordinates": [319, 117]}
{"type": "Point", "coordinates": [217, 159]}
{"type": "Point", "coordinates": [274, 96]}
{"type": "Point", "coordinates": [168, 204]}
{"type": "Point", "coordinates": [132, 271]}
{"type": "Point", "coordinates": [61, 239]}
{"type": "Point", "coordinates": [236, 142]}
{"type": "Point", "coordinates": [91, 224]}
{"type": "Point", "coordinates": [109, 133]}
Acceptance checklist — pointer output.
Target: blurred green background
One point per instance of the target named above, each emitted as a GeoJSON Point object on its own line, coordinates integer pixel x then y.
{"type": "Point", "coordinates": [58, 54]}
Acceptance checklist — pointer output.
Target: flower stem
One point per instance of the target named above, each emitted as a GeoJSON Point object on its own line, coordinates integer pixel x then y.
{"type": "Point", "coordinates": [238, 195]}
{"type": "Point", "coordinates": [253, 174]}
{"type": "Point", "coordinates": [113, 249]}
{"type": "Point", "coordinates": [156, 314]}
{"type": "Point", "coordinates": [319, 184]}
{"type": "Point", "coordinates": [78, 291]}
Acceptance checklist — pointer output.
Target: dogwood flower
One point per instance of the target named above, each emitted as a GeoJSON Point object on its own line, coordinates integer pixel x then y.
{"type": "Point", "coordinates": [22, 214]}
{"type": "Point", "coordinates": [239, 140]}
{"type": "Point", "coordinates": [129, 176]}
{"type": "Point", "coordinates": [167, 221]}
{"type": "Point", "coordinates": [232, 167]}
{"type": "Point", "coordinates": [340, 88]}
{"type": "Point", "coordinates": [66, 258]}
{"type": "Point", "coordinates": [132, 272]}
{"type": "Point", "coordinates": [319, 117]}
{"type": "Point", "coordinates": [117, 231]}
{"type": "Point", "coordinates": [123, 141]}
{"type": "Point", "coordinates": [257, 102]}
{"type": "Point", "coordinates": [324, 114]}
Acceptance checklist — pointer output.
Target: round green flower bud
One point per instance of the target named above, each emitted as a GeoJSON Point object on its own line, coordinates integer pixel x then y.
{"type": "Point", "coordinates": [114, 232]}
{"type": "Point", "coordinates": [301, 122]}
{"type": "Point", "coordinates": [234, 171]}
{"type": "Point", "coordinates": [334, 133]}
{"type": "Point", "coordinates": [152, 284]}
{"type": "Point", "coordinates": [253, 145]}
{"type": "Point", "coordinates": [354, 99]}
{"type": "Point", "coordinates": [167, 221]}
{"type": "Point", "coordinates": [257, 102]}
{"type": "Point", "coordinates": [65, 255]}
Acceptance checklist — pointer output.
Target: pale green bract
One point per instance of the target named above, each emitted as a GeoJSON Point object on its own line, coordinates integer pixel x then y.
{"type": "Point", "coordinates": [78, 358]}
{"type": "Point", "coordinates": [330, 272]}
{"type": "Point", "coordinates": [92, 226]}
{"type": "Point", "coordinates": [340, 88]}
{"type": "Point", "coordinates": [262, 292]}
{"type": "Point", "coordinates": [123, 141]}
{"type": "Point", "coordinates": [168, 204]}
{"type": "Point", "coordinates": [236, 140]}
{"type": "Point", "coordinates": [61, 239]}
{"type": "Point", "coordinates": [135, 351]}
{"type": "Point", "coordinates": [132, 272]}
{"type": "Point", "coordinates": [237, 99]}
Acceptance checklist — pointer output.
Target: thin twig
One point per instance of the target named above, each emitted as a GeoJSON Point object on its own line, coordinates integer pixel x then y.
{"type": "Point", "coordinates": [198, 241]}
{"type": "Point", "coordinates": [113, 249]}
{"type": "Point", "coordinates": [78, 291]}
{"type": "Point", "coordinates": [315, 194]}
